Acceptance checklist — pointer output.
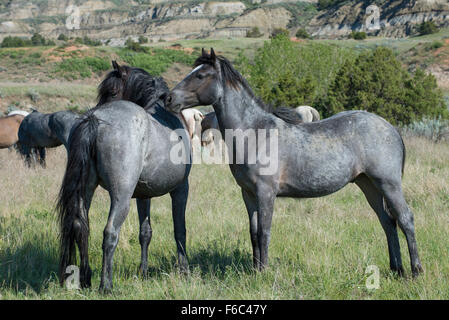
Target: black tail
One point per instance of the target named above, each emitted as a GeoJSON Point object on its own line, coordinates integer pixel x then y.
{"type": "Point", "coordinates": [72, 202]}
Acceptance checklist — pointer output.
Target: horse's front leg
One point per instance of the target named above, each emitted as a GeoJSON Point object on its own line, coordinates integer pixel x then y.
{"type": "Point", "coordinates": [145, 233]}
{"type": "Point", "coordinates": [251, 207]}
{"type": "Point", "coordinates": [265, 204]}
{"type": "Point", "coordinates": [179, 200]}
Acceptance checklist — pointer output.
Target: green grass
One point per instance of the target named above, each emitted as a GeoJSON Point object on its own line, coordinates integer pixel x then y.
{"type": "Point", "coordinates": [75, 68]}
{"type": "Point", "coordinates": [156, 61]}
{"type": "Point", "coordinates": [227, 47]}
{"type": "Point", "coordinates": [320, 248]}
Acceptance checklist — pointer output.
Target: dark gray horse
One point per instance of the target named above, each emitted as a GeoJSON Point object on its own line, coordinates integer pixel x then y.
{"type": "Point", "coordinates": [39, 131]}
{"type": "Point", "coordinates": [314, 159]}
{"type": "Point", "coordinates": [125, 149]}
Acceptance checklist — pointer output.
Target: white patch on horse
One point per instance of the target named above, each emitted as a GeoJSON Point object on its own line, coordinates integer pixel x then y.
{"type": "Point", "coordinates": [197, 68]}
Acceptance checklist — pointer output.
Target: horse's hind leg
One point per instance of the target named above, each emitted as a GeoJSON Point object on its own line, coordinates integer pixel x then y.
{"type": "Point", "coordinates": [143, 208]}
{"type": "Point", "coordinates": [117, 214]}
{"type": "Point", "coordinates": [179, 201]}
{"type": "Point", "coordinates": [375, 199]}
{"type": "Point", "coordinates": [402, 213]}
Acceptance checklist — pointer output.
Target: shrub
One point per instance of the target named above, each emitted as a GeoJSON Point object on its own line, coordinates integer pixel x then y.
{"type": "Point", "coordinates": [324, 4]}
{"type": "Point", "coordinates": [15, 42]}
{"type": "Point", "coordinates": [254, 33]}
{"type": "Point", "coordinates": [135, 46]}
{"type": "Point", "coordinates": [75, 68]}
{"type": "Point", "coordinates": [358, 35]}
{"type": "Point", "coordinates": [63, 37]}
{"type": "Point", "coordinates": [279, 31]}
{"type": "Point", "coordinates": [35, 55]}
{"type": "Point", "coordinates": [302, 34]}
{"type": "Point", "coordinates": [33, 95]}
{"type": "Point", "coordinates": [38, 40]}
{"type": "Point", "coordinates": [435, 129]}
{"type": "Point", "coordinates": [434, 45]}
{"type": "Point", "coordinates": [155, 61]}
{"type": "Point", "coordinates": [143, 39]}
{"type": "Point", "coordinates": [285, 73]}
{"type": "Point", "coordinates": [427, 27]}
{"type": "Point", "coordinates": [90, 42]}
{"type": "Point", "coordinates": [376, 82]}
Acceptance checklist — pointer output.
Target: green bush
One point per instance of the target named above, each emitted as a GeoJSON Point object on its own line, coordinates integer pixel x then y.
{"type": "Point", "coordinates": [90, 42]}
{"type": "Point", "coordinates": [435, 129]}
{"type": "Point", "coordinates": [135, 46]}
{"type": "Point", "coordinates": [15, 42]}
{"type": "Point", "coordinates": [254, 33]}
{"type": "Point", "coordinates": [325, 4]}
{"type": "Point", "coordinates": [285, 73]}
{"type": "Point", "coordinates": [376, 82]}
{"type": "Point", "coordinates": [75, 68]}
{"type": "Point", "coordinates": [36, 55]}
{"type": "Point", "coordinates": [302, 34]}
{"type": "Point", "coordinates": [434, 45]}
{"type": "Point", "coordinates": [155, 61]}
{"type": "Point", "coordinates": [358, 35]}
{"type": "Point", "coordinates": [38, 40]}
{"type": "Point", "coordinates": [33, 95]}
{"type": "Point", "coordinates": [143, 39]}
{"type": "Point", "coordinates": [427, 27]}
{"type": "Point", "coordinates": [63, 37]}
{"type": "Point", "coordinates": [279, 32]}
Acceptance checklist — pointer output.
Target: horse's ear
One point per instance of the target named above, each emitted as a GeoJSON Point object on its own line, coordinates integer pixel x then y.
{"type": "Point", "coordinates": [203, 52]}
{"type": "Point", "coordinates": [122, 71]}
{"type": "Point", "coordinates": [212, 54]}
{"type": "Point", "coordinates": [115, 65]}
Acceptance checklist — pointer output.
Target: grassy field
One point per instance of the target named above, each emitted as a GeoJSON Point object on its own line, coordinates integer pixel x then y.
{"type": "Point", "coordinates": [320, 248]}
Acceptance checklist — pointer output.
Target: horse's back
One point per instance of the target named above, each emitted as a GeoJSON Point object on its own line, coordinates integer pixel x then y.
{"type": "Point", "coordinates": [34, 131]}
{"type": "Point", "coordinates": [328, 154]}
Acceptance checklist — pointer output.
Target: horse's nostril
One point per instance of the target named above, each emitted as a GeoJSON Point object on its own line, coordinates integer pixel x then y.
{"type": "Point", "coordinates": [169, 99]}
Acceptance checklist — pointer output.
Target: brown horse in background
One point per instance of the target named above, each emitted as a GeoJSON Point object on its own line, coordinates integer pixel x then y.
{"type": "Point", "coordinates": [9, 128]}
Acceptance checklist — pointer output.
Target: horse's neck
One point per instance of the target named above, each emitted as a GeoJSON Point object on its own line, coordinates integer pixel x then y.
{"type": "Point", "coordinates": [238, 110]}
{"type": "Point", "coordinates": [166, 117]}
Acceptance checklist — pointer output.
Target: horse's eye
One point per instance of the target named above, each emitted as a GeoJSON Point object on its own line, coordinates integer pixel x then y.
{"type": "Point", "coordinates": [199, 76]}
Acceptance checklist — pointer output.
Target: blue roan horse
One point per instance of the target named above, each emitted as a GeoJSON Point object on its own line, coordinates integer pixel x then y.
{"type": "Point", "coordinates": [126, 150]}
{"type": "Point", "coordinates": [314, 159]}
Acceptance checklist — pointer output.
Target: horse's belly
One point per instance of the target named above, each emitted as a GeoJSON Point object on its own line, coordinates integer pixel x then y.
{"type": "Point", "coordinates": [302, 189]}
{"type": "Point", "coordinates": [160, 180]}
{"type": "Point", "coordinates": [316, 181]}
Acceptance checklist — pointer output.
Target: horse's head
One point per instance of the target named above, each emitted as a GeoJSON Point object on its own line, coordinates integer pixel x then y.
{"type": "Point", "coordinates": [132, 84]}
{"type": "Point", "coordinates": [204, 85]}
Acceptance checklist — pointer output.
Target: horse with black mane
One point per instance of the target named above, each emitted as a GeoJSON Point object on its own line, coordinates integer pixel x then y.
{"type": "Point", "coordinates": [124, 146]}
{"type": "Point", "coordinates": [314, 159]}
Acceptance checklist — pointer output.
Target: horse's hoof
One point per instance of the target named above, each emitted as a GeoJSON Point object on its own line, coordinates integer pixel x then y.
{"type": "Point", "coordinates": [417, 270]}
{"type": "Point", "coordinates": [105, 289]}
{"type": "Point", "coordinates": [399, 271]}
{"type": "Point", "coordinates": [143, 272]}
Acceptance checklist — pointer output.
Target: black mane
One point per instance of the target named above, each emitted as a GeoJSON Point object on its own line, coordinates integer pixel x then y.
{"type": "Point", "coordinates": [231, 77]}
{"type": "Point", "coordinates": [137, 86]}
